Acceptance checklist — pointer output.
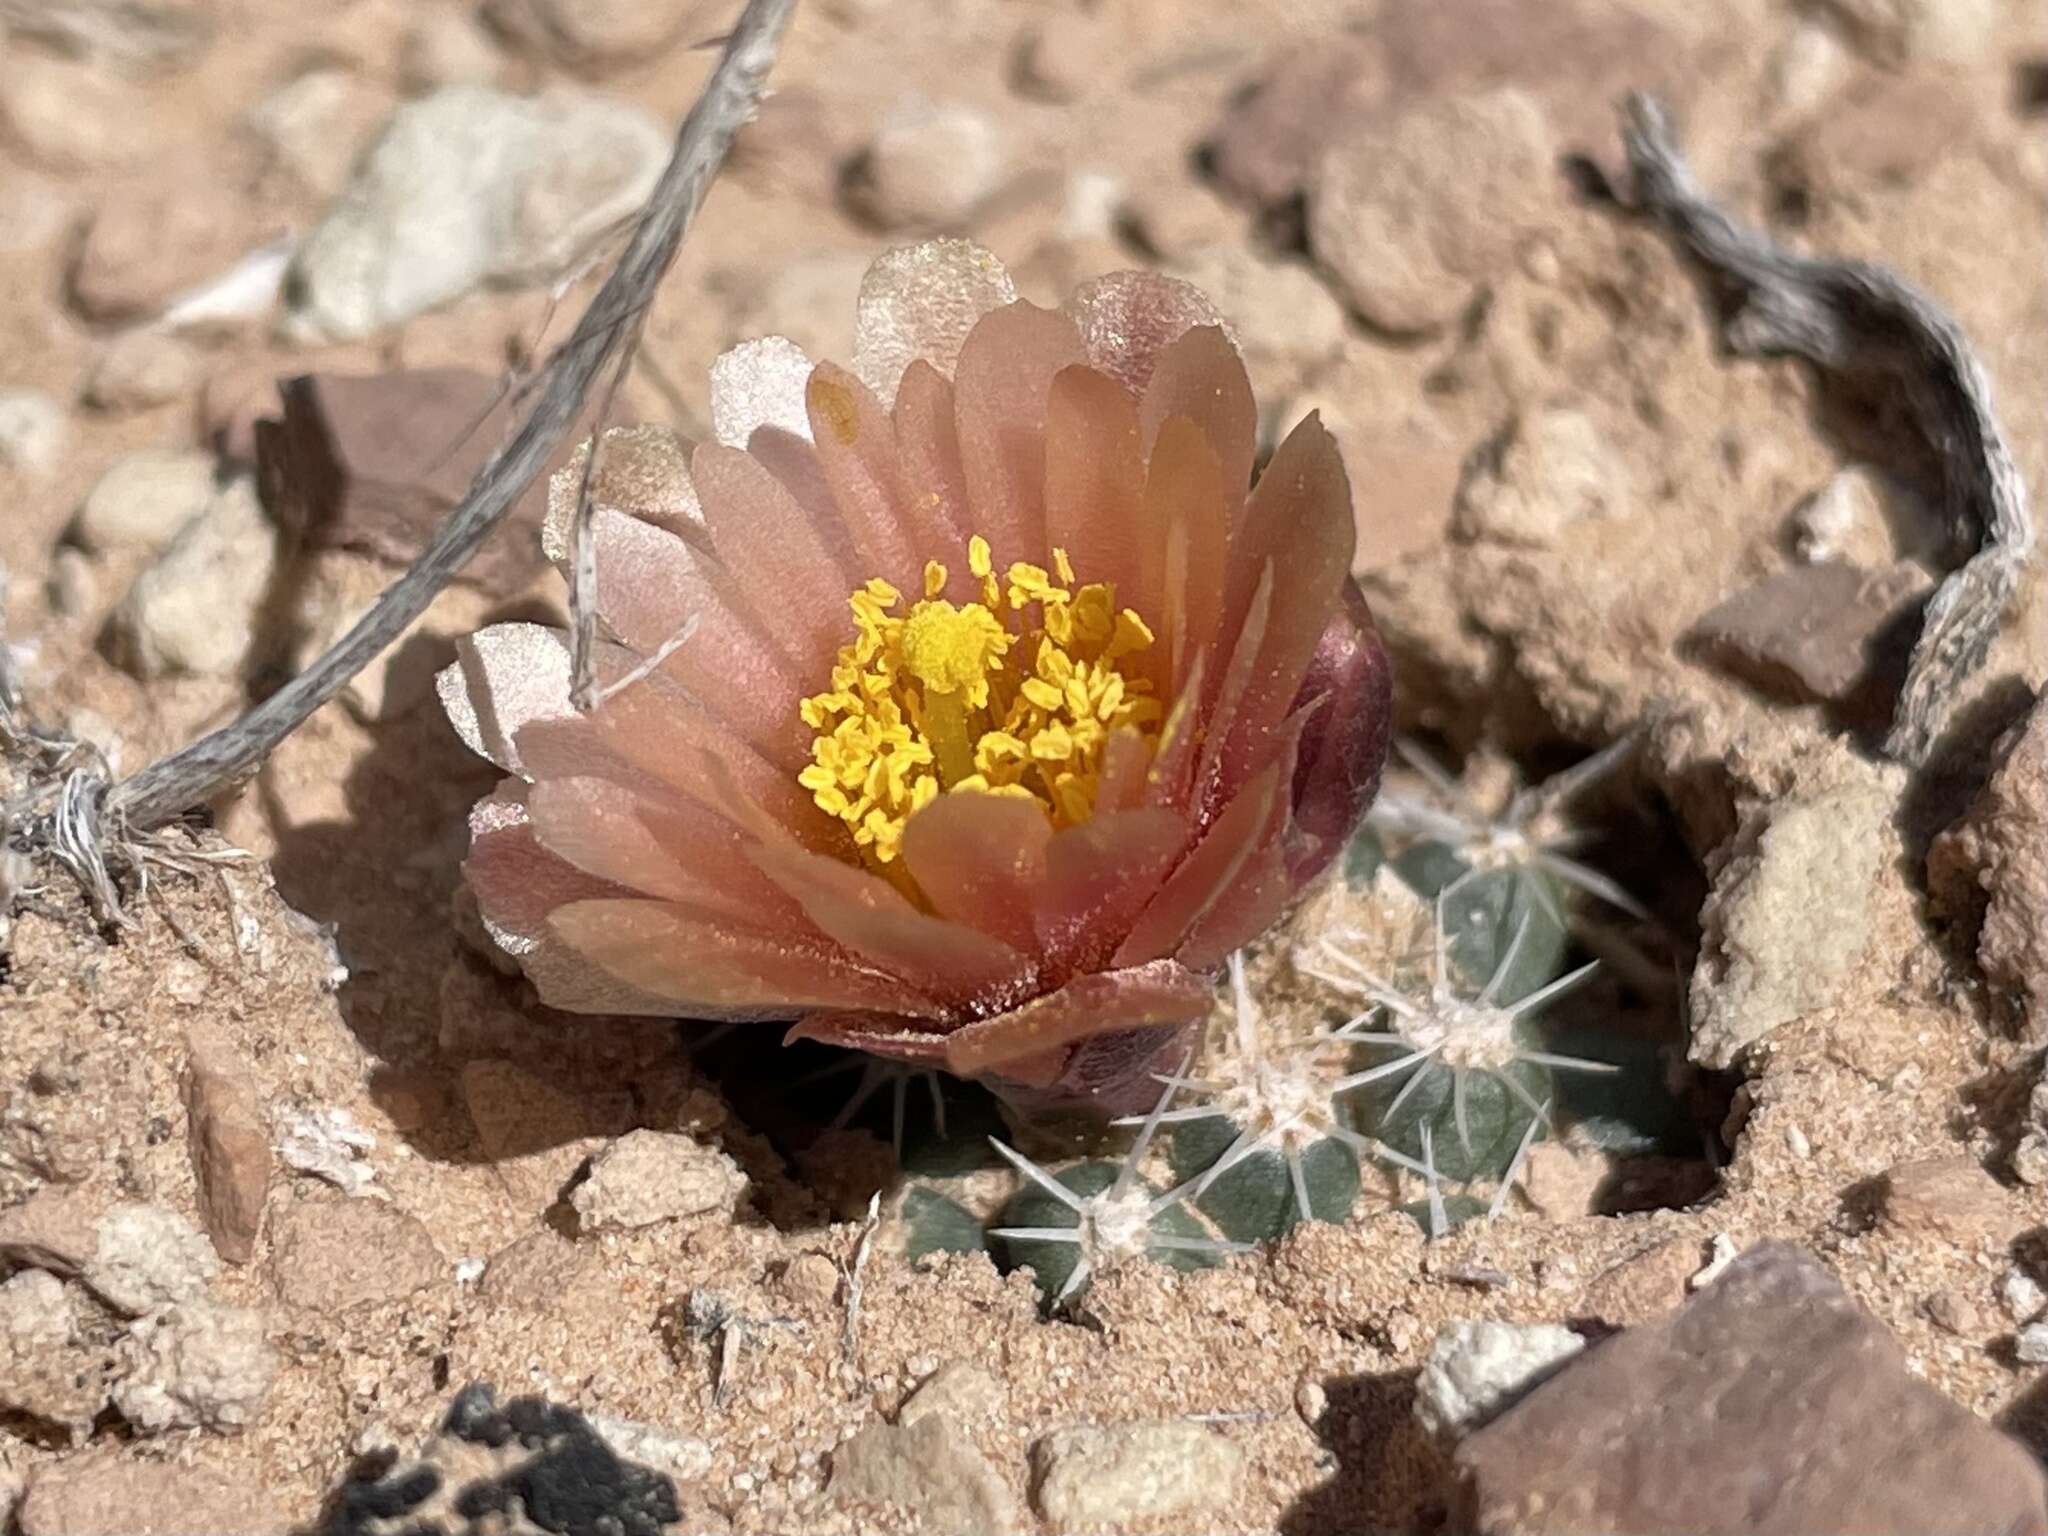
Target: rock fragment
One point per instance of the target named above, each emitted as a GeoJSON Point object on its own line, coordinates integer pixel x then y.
{"type": "Point", "coordinates": [930, 166]}
{"type": "Point", "coordinates": [329, 1144]}
{"type": "Point", "coordinates": [108, 1493]}
{"type": "Point", "coordinates": [1990, 872]}
{"type": "Point", "coordinates": [143, 250]}
{"type": "Point", "coordinates": [375, 462]}
{"type": "Point", "coordinates": [1814, 631]}
{"type": "Point", "coordinates": [1548, 471]}
{"type": "Point", "coordinates": [1411, 213]}
{"type": "Point", "coordinates": [196, 1366]}
{"type": "Point", "coordinates": [1791, 910]}
{"type": "Point", "coordinates": [1266, 147]}
{"type": "Point", "coordinates": [469, 186]}
{"type": "Point", "coordinates": [319, 1252]}
{"type": "Point", "coordinates": [71, 117]}
{"type": "Point", "coordinates": [140, 370]}
{"type": "Point", "coordinates": [1476, 1369]}
{"type": "Point", "coordinates": [1951, 1198]}
{"type": "Point", "coordinates": [1895, 32]}
{"type": "Point", "coordinates": [46, 1370]}
{"type": "Point", "coordinates": [143, 499]}
{"type": "Point", "coordinates": [1771, 1403]}
{"type": "Point", "coordinates": [1863, 517]}
{"type": "Point", "coordinates": [960, 1390]}
{"type": "Point", "coordinates": [535, 1135]}
{"type": "Point", "coordinates": [930, 1469]}
{"type": "Point", "coordinates": [33, 428]}
{"type": "Point", "coordinates": [230, 1146]}
{"type": "Point", "coordinates": [313, 128]}
{"type": "Point", "coordinates": [652, 1176]}
{"type": "Point", "coordinates": [592, 36]}
{"type": "Point", "coordinates": [194, 609]}
{"type": "Point", "coordinates": [1124, 1473]}
{"type": "Point", "coordinates": [146, 1257]}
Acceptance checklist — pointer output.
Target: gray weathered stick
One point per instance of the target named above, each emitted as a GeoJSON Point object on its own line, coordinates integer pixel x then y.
{"type": "Point", "coordinates": [202, 770]}
{"type": "Point", "coordinates": [1846, 315]}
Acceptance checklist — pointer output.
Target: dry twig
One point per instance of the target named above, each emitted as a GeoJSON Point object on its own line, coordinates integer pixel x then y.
{"type": "Point", "coordinates": [1852, 318]}
{"type": "Point", "coordinates": [210, 765]}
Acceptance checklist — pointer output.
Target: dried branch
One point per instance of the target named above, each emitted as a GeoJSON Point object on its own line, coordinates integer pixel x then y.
{"type": "Point", "coordinates": [1851, 317]}
{"type": "Point", "coordinates": [210, 765]}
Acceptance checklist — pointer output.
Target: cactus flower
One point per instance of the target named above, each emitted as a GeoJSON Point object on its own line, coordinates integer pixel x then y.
{"type": "Point", "coordinates": [969, 707]}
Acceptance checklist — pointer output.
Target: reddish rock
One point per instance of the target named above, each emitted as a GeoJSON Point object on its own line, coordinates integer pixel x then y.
{"type": "Point", "coordinates": [1265, 147]}
{"type": "Point", "coordinates": [107, 1493]}
{"type": "Point", "coordinates": [376, 462]}
{"type": "Point", "coordinates": [1814, 631]}
{"type": "Point", "coordinates": [230, 1145]}
{"type": "Point", "coordinates": [1771, 1405]}
{"type": "Point", "coordinates": [1951, 1198]}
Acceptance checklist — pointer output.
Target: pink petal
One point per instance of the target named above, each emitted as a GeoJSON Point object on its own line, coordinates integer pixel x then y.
{"type": "Point", "coordinates": [888, 1035]}
{"type": "Point", "coordinates": [655, 733]}
{"type": "Point", "coordinates": [919, 303]}
{"type": "Point", "coordinates": [1113, 1074]}
{"type": "Point", "coordinates": [943, 959]}
{"type": "Point", "coordinates": [979, 859]}
{"type": "Point", "coordinates": [1126, 319]}
{"type": "Point", "coordinates": [856, 445]}
{"type": "Point", "coordinates": [1200, 376]}
{"type": "Point", "coordinates": [1095, 478]}
{"type": "Point", "coordinates": [1260, 889]}
{"type": "Point", "coordinates": [1178, 749]}
{"type": "Point", "coordinates": [1124, 763]}
{"type": "Point", "coordinates": [1206, 873]}
{"type": "Point", "coordinates": [1099, 876]}
{"type": "Point", "coordinates": [929, 445]}
{"type": "Point", "coordinates": [1000, 388]}
{"type": "Point", "coordinates": [776, 554]}
{"type": "Point", "coordinates": [673, 849]}
{"type": "Point", "coordinates": [1238, 677]}
{"type": "Point", "coordinates": [1187, 526]}
{"type": "Point", "coordinates": [663, 951]}
{"type": "Point", "coordinates": [650, 583]}
{"type": "Point", "coordinates": [1026, 1044]}
{"type": "Point", "coordinates": [1344, 744]}
{"type": "Point", "coordinates": [1299, 518]}
{"type": "Point", "coordinates": [794, 464]}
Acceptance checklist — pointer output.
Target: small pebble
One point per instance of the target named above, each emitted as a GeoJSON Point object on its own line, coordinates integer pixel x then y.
{"type": "Point", "coordinates": [2023, 1297]}
{"type": "Point", "coordinates": [2032, 1344]}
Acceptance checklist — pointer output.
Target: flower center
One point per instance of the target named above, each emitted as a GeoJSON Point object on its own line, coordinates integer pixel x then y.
{"type": "Point", "coordinates": [1016, 694]}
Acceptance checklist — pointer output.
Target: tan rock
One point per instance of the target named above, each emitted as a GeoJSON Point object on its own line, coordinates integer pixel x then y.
{"type": "Point", "coordinates": [651, 1176]}
{"type": "Point", "coordinates": [1125, 1473]}
{"type": "Point", "coordinates": [115, 1493]}
{"type": "Point", "coordinates": [46, 1370]}
{"type": "Point", "coordinates": [142, 251]}
{"type": "Point", "coordinates": [331, 1254]}
{"type": "Point", "coordinates": [536, 1271]}
{"type": "Point", "coordinates": [1562, 1182]}
{"type": "Point", "coordinates": [230, 1144]}
{"type": "Point", "coordinates": [196, 1366]}
{"type": "Point", "coordinates": [930, 1469]}
{"type": "Point", "coordinates": [1646, 1285]}
{"type": "Point", "coordinates": [535, 1135]}
{"type": "Point", "coordinates": [960, 1390]}
{"type": "Point", "coordinates": [54, 1229]}
{"type": "Point", "coordinates": [1952, 1198]}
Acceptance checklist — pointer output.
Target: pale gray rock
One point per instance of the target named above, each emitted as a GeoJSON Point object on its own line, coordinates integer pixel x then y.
{"type": "Point", "coordinates": [1118, 1474]}
{"type": "Point", "coordinates": [647, 1177]}
{"type": "Point", "coordinates": [144, 499]}
{"type": "Point", "coordinates": [1476, 1369]}
{"type": "Point", "coordinates": [193, 610]}
{"type": "Point", "coordinates": [196, 1366]}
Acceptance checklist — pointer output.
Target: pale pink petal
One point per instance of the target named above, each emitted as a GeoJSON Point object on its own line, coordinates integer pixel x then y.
{"type": "Point", "coordinates": [776, 555]}
{"type": "Point", "coordinates": [642, 471]}
{"type": "Point", "coordinates": [1095, 479]}
{"type": "Point", "coordinates": [949, 961]}
{"type": "Point", "coordinates": [856, 446]}
{"type": "Point", "coordinates": [1124, 763]}
{"type": "Point", "coordinates": [1126, 319]}
{"type": "Point", "coordinates": [663, 951]}
{"type": "Point", "coordinates": [503, 677]}
{"type": "Point", "coordinates": [1099, 875]}
{"type": "Point", "coordinates": [979, 859]}
{"type": "Point", "coordinates": [794, 464]}
{"type": "Point", "coordinates": [929, 445]}
{"type": "Point", "coordinates": [920, 302]}
{"type": "Point", "coordinates": [759, 384]}
{"type": "Point", "coordinates": [1176, 753]}
{"type": "Point", "coordinates": [1201, 377]}
{"type": "Point", "coordinates": [1000, 389]}
{"type": "Point", "coordinates": [1237, 680]}
{"type": "Point", "coordinates": [1026, 1044]}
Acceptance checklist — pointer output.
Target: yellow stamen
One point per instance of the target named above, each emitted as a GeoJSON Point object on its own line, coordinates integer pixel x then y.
{"type": "Point", "coordinates": [1013, 695]}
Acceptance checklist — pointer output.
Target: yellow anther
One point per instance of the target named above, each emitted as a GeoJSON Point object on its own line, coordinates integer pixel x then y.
{"type": "Point", "coordinates": [974, 698]}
